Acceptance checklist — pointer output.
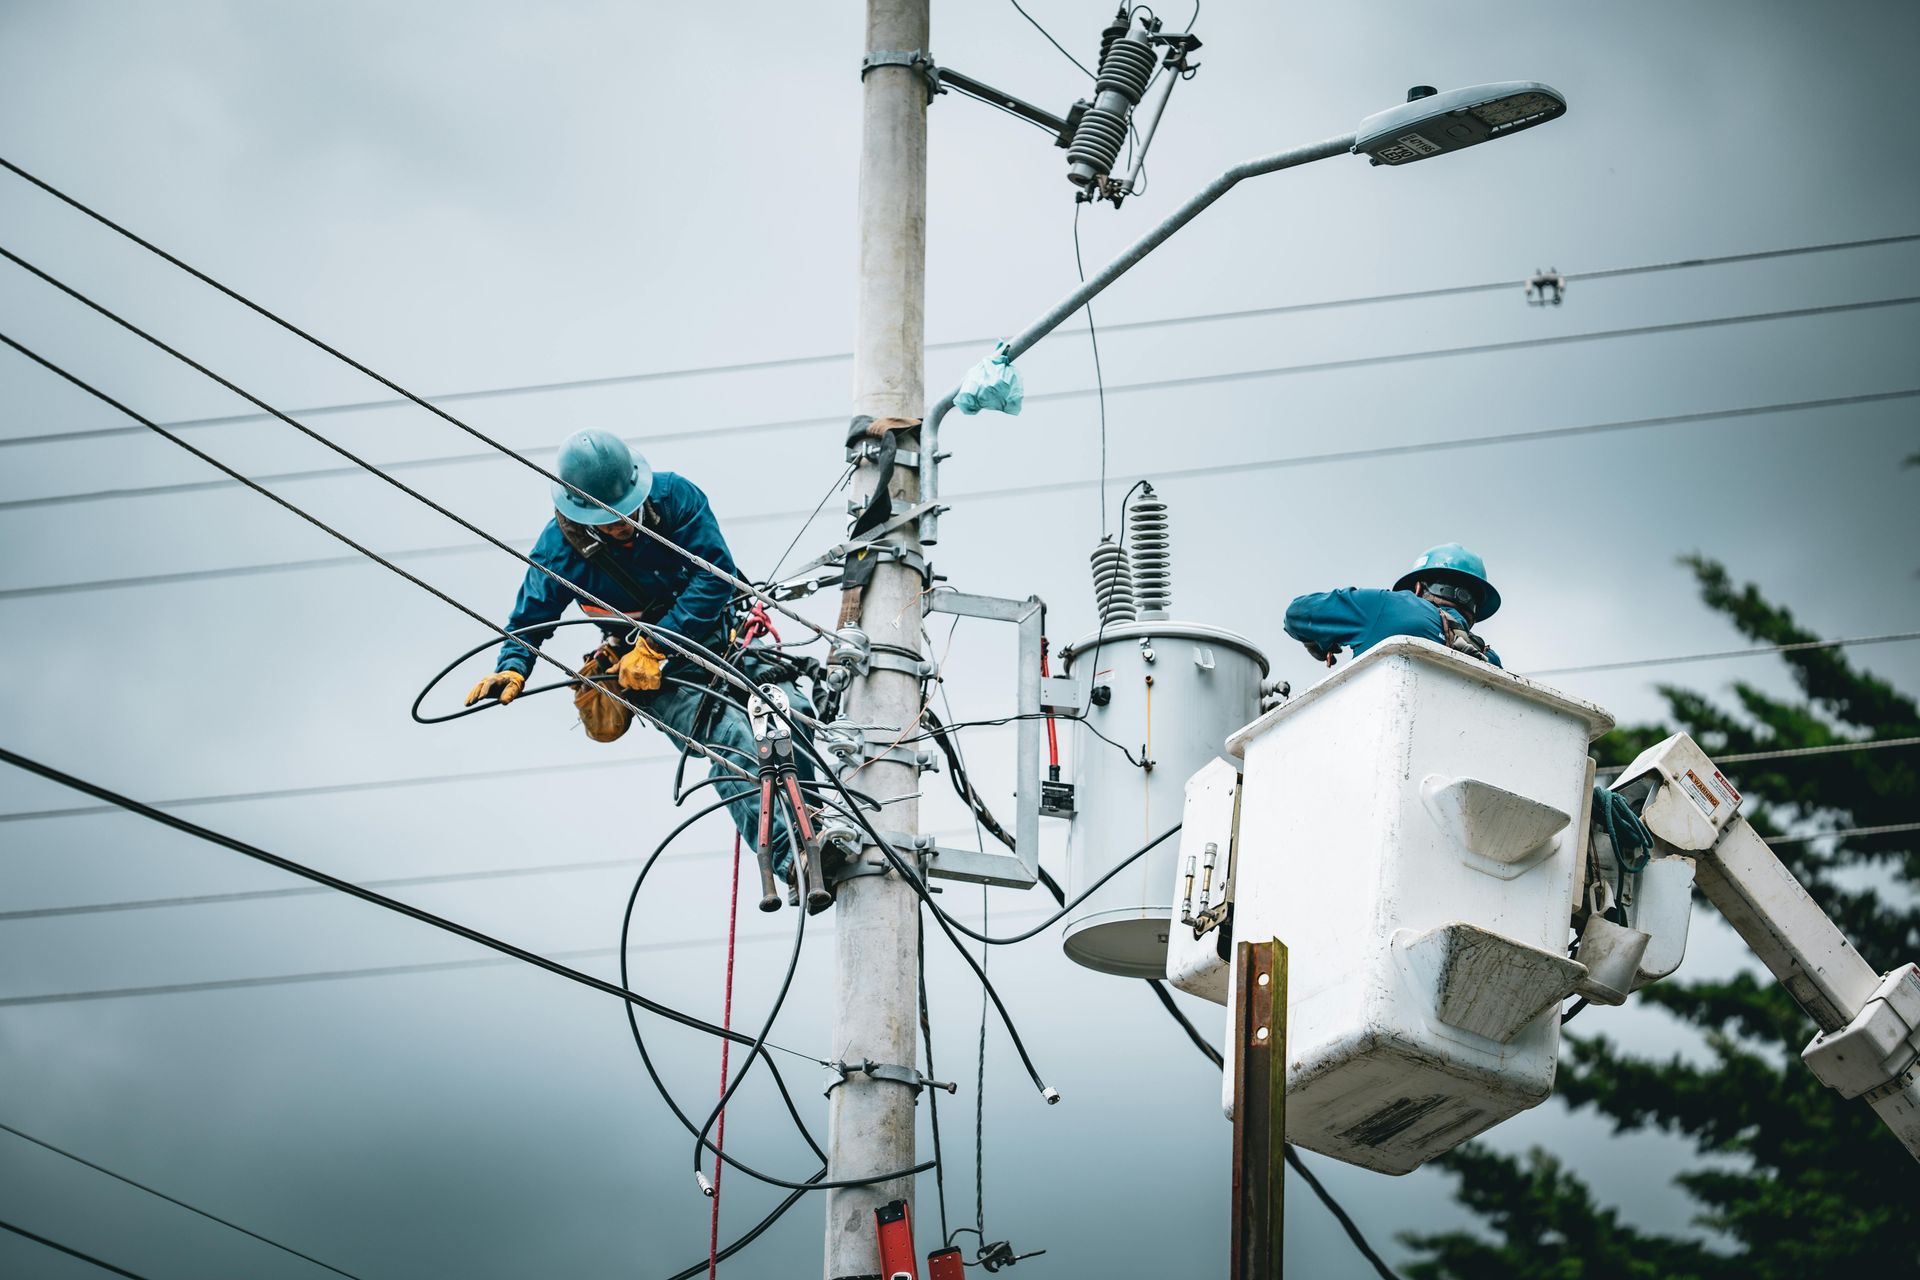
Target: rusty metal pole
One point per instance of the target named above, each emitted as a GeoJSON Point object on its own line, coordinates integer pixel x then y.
{"type": "Point", "coordinates": [1259, 1109]}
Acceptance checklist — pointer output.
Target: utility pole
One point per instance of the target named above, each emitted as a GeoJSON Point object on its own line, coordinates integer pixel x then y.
{"type": "Point", "coordinates": [870, 1120]}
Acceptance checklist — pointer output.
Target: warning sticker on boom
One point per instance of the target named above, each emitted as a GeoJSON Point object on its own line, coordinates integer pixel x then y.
{"type": "Point", "coordinates": [1707, 795]}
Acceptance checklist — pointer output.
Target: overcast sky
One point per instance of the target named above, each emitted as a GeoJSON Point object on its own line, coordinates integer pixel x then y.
{"type": "Point", "coordinates": [478, 196]}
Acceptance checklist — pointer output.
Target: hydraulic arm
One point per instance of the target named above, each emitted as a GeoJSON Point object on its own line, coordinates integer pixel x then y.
{"type": "Point", "coordinates": [1868, 1045]}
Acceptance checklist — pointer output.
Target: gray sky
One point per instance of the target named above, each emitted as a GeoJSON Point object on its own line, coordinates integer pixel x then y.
{"type": "Point", "coordinates": [481, 195]}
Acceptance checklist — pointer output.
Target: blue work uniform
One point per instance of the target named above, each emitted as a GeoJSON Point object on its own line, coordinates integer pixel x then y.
{"type": "Point", "coordinates": [675, 595]}
{"type": "Point", "coordinates": [1363, 617]}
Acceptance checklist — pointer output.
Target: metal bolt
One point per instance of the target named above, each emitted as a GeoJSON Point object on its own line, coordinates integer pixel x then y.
{"type": "Point", "coordinates": [1264, 979]}
{"type": "Point", "coordinates": [1261, 1034]}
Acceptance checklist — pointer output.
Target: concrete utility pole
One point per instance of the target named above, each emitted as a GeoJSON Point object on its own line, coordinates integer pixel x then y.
{"type": "Point", "coordinates": [870, 1122]}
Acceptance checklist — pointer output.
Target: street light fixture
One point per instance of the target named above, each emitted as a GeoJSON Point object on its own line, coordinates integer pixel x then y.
{"type": "Point", "coordinates": [1427, 124]}
{"type": "Point", "coordinates": [1430, 123]}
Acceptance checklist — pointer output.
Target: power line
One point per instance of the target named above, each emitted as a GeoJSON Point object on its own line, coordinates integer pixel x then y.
{"type": "Point", "coordinates": [1062, 486]}
{"type": "Point", "coordinates": [425, 917]}
{"type": "Point", "coordinates": [308, 891]}
{"type": "Point", "coordinates": [580, 593]}
{"type": "Point", "coordinates": [1797, 647]}
{"type": "Point", "coordinates": [1828, 749]}
{"type": "Point", "coordinates": [677, 644]}
{"type": "Point", "coordinates": [342, 788]}
{"type": "Point", "coordinates": [397, 970]}
{"type": "Point", "coordinates": [70, 1251]}
{"type": "Point", "coordinates": [1878, 744]}
{"type": "Point", "coordinates": [474, 432]}
{"type": "Point", "coordinates": [173, 1200]}
{"type": "Point", "coordinates": [1346, 1222]}
{"type": "Point", "coordinates": [1100, 390]}
{"type": "Point", "coordinates": [1050, 40]}
{"type": "Point", "coordinates": [967, 344]}
{"type": "Point", "coordinates": [1898, 828]}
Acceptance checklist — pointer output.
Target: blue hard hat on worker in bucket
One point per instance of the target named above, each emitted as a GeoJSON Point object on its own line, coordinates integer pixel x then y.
{"type": "Point", "coordinates": [1451, 562]}
{"type": "Point", "coordinates": [599, 464]}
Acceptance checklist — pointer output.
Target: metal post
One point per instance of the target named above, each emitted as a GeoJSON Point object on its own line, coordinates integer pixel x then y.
{"type": "Point", "coordinates": [870, 1121]}
{"type": "Point", "coordinates": [1259, 1109]}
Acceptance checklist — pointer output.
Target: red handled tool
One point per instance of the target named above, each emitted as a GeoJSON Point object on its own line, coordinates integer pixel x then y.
{"type": "Point", "coordinates": [896, 1241]}
{"type": "Point", "coordinates": [946, 1264]}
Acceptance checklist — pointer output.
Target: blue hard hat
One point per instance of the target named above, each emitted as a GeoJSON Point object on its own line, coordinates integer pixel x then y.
{"type": "Point", "coordinates": [599, 463]}
{"type": "Point", "coordinates": [1451, 562]}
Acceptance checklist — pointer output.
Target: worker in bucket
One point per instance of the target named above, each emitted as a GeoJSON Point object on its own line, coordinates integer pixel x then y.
{"type": "Point", "coordinates": [605, 554]}
{"type": "Point", "coordinates": [1439, 599]}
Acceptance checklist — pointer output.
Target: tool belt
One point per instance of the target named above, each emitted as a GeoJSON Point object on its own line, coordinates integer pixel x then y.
{"type": "Point", "coordinates": [603, 715]}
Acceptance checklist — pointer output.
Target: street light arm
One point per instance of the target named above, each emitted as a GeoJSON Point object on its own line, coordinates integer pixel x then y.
{"type": "Point", "coordinates": [1024, 341]}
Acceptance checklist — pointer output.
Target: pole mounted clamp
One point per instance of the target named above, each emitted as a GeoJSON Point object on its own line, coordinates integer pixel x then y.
{"type": "Point", "coordinates": [912, 59]}
{"type": "Point", "coordinates": [907, 1076]}
{"type": "Point", "coordinates": [918, 668]}
{"type": "Point", "coordinates": [855, 746]}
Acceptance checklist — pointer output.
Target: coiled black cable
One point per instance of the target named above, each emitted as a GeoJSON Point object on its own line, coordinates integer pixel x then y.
{"type": "Point", "coordinates": [819, 1182]}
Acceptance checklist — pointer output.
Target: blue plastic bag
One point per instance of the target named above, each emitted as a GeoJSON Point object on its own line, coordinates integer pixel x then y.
{"type": "Point", "coordinates": [992, 384]}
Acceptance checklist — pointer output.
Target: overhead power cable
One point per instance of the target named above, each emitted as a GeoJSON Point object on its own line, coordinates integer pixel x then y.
{"type": "Point", "coordinates": [1851, 833]}
{"type": "Point", "coordinates": [1800, 646]}
{"type": "Point", "coordinates": [173, 1200]}
{"type": "Point", "coordinates": [1035, 23]}
{"type": "Point", "coordinates": [70, 1251]}
{"type": "Point", "coordinates": [678, 644]}
{"type": "Point", "coordinates": [313, 891]}
{"type": "Point", "coordinates": [963, 344]}
{"type": "Point", "coordinates": [414, 969]}
{"type": "Point", "coordinates": [1294, 1161]}
{"type": "Point", "coordinates": [347, 887]}
{"type": "Point", "coordinates": [1833, 748]}
{"type": "Point", "coordinates": [1826, 749]}
{"type": "Point", "coordinates": [1340, 1215]}
{"type": "Point", "coordinates": [343, 788]}
{"type": "Point", "coordinates": [589, 499]}
{"type": "Point", "coordinates": [581, 595]}
{"type": "Point", "coordinates": [1100, 390]}
{"type": "Point", "coordinates": [1252, 466]}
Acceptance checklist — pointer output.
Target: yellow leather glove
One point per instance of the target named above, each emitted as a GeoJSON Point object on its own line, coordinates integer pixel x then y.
{"type": "Point", "coordinates": [640, 669]}
{"type": "Point", "coordinates": [504, 685]}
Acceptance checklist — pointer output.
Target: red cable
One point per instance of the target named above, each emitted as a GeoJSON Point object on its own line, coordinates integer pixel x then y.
{"type": "Point", "coordinates": [1053, 734]}
{"type": "Point", "coordinates": [726, 1021]}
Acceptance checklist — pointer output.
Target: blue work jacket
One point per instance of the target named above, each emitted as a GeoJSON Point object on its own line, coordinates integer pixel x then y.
{"type": "Point", "coordinates": [676, 595]}
{"type": "Point", "coordinates": [1363, 617]}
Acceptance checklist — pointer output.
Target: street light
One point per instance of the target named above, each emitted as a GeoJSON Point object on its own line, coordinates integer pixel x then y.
{"type": "Point", "coordinates": [1430, 123]}
{"type": "Point", "coordinates": [1427, 124]}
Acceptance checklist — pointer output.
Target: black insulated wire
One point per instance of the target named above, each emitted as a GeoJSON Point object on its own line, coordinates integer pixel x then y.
{"type": "Point", "coordinates": [963, 344]}
{"type": "Point", "coordinates": [817, 1182]}
{"type": "Point", "coordinates": [1076, 900]}
{"type": "Point", "coordinates": [70, 1251]}
{"type": "Point", "coordinates": [399, 390]}
{"type": "Point", "coordinates": [332, 532]}
{"type": "Point", "coordinates": [172, 1200]}
{"type": "Point", "coordinates": [633, 999]}
{"type": "Point", "coordinates": [580, 594]}
{"type": "Point", "coordinates": [773, 1012]}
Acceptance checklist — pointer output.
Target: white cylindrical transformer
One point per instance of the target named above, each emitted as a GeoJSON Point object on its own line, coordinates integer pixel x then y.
{"type": "Point", "coordinates": [1173, 692]}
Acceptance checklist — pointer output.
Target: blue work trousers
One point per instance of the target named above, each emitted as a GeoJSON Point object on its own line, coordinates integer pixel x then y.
{"type": "Point", "coordinates": [725, 730]}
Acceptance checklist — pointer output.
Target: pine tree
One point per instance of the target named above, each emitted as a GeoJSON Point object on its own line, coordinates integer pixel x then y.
{"type": "Point", "coordinates": [1802, 1182]}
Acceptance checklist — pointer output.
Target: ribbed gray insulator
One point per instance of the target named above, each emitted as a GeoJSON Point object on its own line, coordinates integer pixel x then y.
{"type": "Point", "coordinates": [1112, 584]}
{"type": "Point", "coordinates": [1149, 552]}
{"type": "Point", "coordinates": [1126, 68]}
